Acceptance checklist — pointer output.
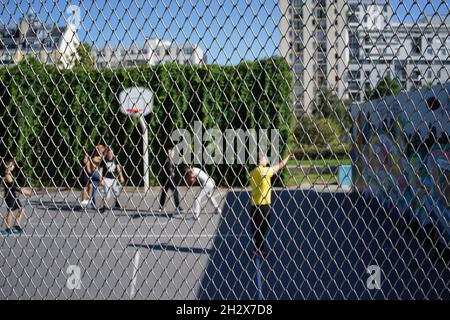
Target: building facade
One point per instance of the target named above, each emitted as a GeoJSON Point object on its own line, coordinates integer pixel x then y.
{"type": "Point", "coordinates": [152, 52]}
{"type": "Point", "coordinates": [414, 54]}
{"type": "Point", "coordinates": [315, 44]}
{"type": "Point", "coordinates": [50, 44]}
{"type": "Point", "coordinates": [350, 45]}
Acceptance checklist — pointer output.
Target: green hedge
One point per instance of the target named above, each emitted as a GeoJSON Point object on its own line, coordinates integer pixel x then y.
{"type": "Point", "coordinates": [49, 115]}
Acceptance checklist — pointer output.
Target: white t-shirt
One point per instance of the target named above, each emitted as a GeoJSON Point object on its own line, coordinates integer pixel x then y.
{"type": "Point", "coordinates": [203, 178]}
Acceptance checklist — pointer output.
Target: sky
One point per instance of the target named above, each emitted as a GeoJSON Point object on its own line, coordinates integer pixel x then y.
{"type": "Point", "coordinates": [227, 31]}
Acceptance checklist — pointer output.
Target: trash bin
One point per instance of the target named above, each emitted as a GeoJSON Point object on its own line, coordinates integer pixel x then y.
{"type": "Point", "coordinates": [345, 176]}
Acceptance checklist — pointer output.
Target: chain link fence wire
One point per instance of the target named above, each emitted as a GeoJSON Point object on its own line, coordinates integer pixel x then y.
{"type": "Point", "coordinates": [225, 149]}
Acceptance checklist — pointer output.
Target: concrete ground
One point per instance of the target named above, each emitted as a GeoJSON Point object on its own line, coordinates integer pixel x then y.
{"type": "Point", "coordinates": [321, 243]}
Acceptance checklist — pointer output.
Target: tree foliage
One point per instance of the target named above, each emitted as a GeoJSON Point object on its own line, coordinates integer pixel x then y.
{"type": "Point", "coordinates": [323, 134]}
{"type": "Point", "coordinates": [84, 57]}
{"type": "Point", "coordinates": [385, 87]}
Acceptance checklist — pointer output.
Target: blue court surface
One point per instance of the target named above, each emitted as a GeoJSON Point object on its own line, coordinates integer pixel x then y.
{"type": "Point", "coordinates": [321, 245]}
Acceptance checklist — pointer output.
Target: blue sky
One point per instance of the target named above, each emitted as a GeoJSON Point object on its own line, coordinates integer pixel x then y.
{"type": "Point", "coordinates": [228, 31]}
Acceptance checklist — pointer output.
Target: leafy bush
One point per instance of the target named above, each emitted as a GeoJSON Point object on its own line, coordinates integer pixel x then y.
{"type": "Point", "coordinates": [319, 138]}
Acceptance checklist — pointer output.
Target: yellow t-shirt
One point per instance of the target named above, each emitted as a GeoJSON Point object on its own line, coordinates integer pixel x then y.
{"type": "Point", "coordinates": [261, 185]}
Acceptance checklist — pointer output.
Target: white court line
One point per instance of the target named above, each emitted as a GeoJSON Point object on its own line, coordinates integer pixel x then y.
{"type": "Point", "coordinates": [46, 250]}
{"type": "Point", "coordinates": [80, 223]}
{"type": "Point", "coordinates": [134, 278]}
{"type": "Point", "coordinates": [102, 236]}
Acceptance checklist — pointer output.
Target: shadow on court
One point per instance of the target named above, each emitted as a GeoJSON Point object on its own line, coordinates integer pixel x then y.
{"type": "Point", "coordinates": [321, 245]}
{"type": "Point", "coordinates": [169, 247]}
{"type": "Point", "coordinates": [54, 205]}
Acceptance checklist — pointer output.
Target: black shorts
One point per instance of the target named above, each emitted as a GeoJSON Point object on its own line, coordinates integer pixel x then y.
{"type": "Point", "coordinates": [13, 203]}
{"type": "Point", "coordinates": [84, 179]}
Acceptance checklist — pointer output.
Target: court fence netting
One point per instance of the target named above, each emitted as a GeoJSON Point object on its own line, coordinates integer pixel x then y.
{"type": "Point", "coordinates": [225, 149]}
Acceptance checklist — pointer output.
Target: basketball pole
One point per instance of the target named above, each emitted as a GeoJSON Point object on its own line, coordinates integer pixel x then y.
{"type": "Point", "coordinates": [145, 155]}
{"type": "Point", "coordinates": [137, 102]}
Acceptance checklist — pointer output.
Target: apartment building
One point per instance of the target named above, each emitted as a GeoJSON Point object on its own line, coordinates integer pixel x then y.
{"type": "Point", "coordinates": [315, 43]}
{"type": "Point", "coordinates": [152, 52]}
{"type": "Point", "coordinates": [416, 54]}
{"type": "Point", "coordinates": [50, 44]}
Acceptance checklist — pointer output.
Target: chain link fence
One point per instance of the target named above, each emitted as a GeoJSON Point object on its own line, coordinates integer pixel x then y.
{"type": "Point", "coordinates": [225, 149]}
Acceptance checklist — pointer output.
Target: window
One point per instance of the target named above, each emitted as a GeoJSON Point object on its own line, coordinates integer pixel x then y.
{"type": "Point", "coordinates": [415, 45]}
{"type": "Point", "coordinates": [298, 47]}
{"type": "Point", "coordinates": [353, 19]}
{"type": "Point", "coordinates": [353, 85]}
{"type": "Point", "coordinates": [188, 50]}
{"type": "Point", "coordinates": [355, 96]}
{"type": "Point", "coordinates": [354, 74]}
{"type": "Point", "coordinates": [320, 13]}
{"type": "Point", "coordinates": [354, 7]}
{"type": "Point", "coordinates": [320, 35]}
{"type": "Point", "coordinates": [400, 71]}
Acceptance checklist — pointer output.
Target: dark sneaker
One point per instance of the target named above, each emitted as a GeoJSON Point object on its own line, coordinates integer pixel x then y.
{"type": "Point", "coordinates": [6, 232]}
{"type": "Point", "coordinates": [16, 230]}
{"type": "Point", "coordinates": [117, 206]}
{"type": "Point", "coordinates": [103, 209]}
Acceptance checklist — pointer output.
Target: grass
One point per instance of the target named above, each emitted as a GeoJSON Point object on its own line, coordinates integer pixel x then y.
{"type": "Point", "coordinates": [320, 162]}
{"type": "Point", "coordinates": [298, 179]}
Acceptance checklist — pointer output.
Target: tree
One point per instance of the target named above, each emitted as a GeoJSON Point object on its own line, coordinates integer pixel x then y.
{"type": "Point", "coordinates": [329, 106]}
{"type": "Point", "coordinates": [327, 103]}
{"type": "Point", "coordinates": [385, 87]}
{"type": "Point", "coordinates": [84, 57]}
